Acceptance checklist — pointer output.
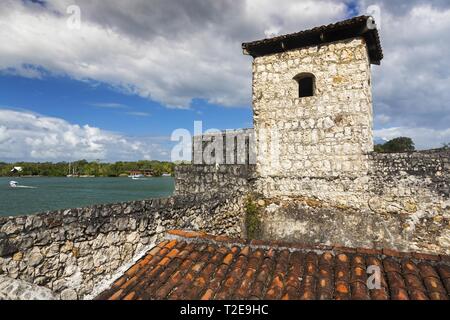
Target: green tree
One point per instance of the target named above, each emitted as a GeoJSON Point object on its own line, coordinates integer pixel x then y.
{"type": "Point", "coordinates": [397, 145]}
{"type": "Point", "coordinates": [83, 167]}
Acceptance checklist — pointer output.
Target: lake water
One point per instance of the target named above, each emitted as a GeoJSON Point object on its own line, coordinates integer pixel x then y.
{"type": "Point", "coordinates": [65, 193]}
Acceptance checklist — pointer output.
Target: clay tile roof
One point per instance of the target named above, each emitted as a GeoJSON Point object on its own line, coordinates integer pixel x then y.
{"type": "Point", "coordinates": [194, 266]}
{"type": "Point", "coordinates": [348, 29]}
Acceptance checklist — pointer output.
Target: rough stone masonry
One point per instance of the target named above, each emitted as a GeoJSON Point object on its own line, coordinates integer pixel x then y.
{"type": "Point", "coordinates": [323, 147]}
{"type": "Point", "coordinates": [325, 135]}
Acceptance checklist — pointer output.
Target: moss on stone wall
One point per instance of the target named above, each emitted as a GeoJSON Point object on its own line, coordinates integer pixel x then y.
{"type": "Point", "coordinates": [253, 225]}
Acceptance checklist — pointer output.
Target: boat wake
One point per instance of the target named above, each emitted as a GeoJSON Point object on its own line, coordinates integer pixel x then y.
{"type": "Point", "coordinates": [15, 184]}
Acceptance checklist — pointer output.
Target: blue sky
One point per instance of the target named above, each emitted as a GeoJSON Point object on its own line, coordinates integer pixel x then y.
{"type": "Point", "coordinates": [116, 87]}
{"type": "Point", "coordinates": [100, 105]}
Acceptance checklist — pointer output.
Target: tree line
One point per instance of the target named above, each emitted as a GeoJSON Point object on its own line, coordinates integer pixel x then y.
{"type": "Point", "coordinates": [401, 144]}
{"type": "Point", "coordinates": [83, 167]}
{"type": "Point", "coordinates": [397, 145]}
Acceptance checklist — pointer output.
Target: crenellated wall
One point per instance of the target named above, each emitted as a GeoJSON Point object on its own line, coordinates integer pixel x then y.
{"type": "Point", "coordinates": [231, 147]}
{"type": "Point", "coordinates": [403, 202]}
{"type": "Point", "coordinates": [220, 179]}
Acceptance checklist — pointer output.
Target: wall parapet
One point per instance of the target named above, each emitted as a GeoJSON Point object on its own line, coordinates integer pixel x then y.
{"type": "Point", "coordinates": [419, 162]}
{"type": "Point", "coordinates": [402, 202]}
{"type": "Point", "coordinates": [213, 178]}
{"type": "Point", "coordinates": [431, 168]}
{"type": "Point", "coordinates": [231, 147]}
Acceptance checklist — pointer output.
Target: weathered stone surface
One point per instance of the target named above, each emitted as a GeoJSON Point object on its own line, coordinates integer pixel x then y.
{"type": "Point", "coordinates": [403, 201]}
{"type": "Point", "coordinates": [35, 257]}
{"type": "Point", "coordinates": [17, 256]}
{"type": "Point", "coordinates": [13, 289]}
{"type": "Point", "coordinates": [7, 248]}
{"type": "Point", "coordinates": [222, 179]}
{"type": "Point", "coordinates": [293, 219]}
{"type": "Point", "coordinates": [325, 135]}
{"type": "Point", "coordinates": [11, 227]}
{"type": "Point", "coordinates": [69, 294]}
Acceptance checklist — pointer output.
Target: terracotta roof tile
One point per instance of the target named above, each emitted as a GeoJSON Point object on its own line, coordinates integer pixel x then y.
{"type": "Point", "coordinates": [130, 296]}
{"type": "Point", "coordinates": [444, 271]}
{"type": "Point", "coordinates": [409, 267]}
{"type": "Point", "coordinates": [399, 294]}
{"type": "Point", "coordinates": [447, 285]}
{"type": "Point", "coordinates": [197, 266]}
{"type": "Point", "coordinates": [379, 294]}
{"type": "Point", "coordinates": [359, 291]}
{"type": "Point", "coordinates": [418, 295]}
{"type": "Point", "coordinates": [426, 270]}
{"type": "Point", "coordinates": [414, 283]}
{"type": "Point", "coordinates": [438, 296]}
{"type": "Point", "coordinates": [424, 256]}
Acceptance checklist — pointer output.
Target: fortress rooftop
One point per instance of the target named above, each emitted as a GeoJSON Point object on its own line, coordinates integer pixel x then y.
{"type": "Point", "coordinates": [347, 29]}
{"type": "Point", "coordinates": [193, 265]}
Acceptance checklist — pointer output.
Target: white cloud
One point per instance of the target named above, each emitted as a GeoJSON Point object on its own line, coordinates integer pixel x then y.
{"type": "Point", "coordinates": [411, 96]}
{"type": "Point", "coordinates": [139, 114]}
{"type": "Point", "coordinates": [28, 136]}
{"type": "Point", "coordinates": [424, 138]}
{"type": "Point", "coordinates": [174, 51]}
{"type": "Point", "coordinates": [109, 105]}
{"type": "Point", "coordinates": [4, 134]}
{"type": "Point", "coordinates": [411, 86]}
{"type": "Point", "coordinates": [168, 51]}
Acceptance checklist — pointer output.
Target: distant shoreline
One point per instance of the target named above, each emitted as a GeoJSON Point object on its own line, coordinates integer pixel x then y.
{"type": "Point", "coordinates": [84, 169]}
{"type": "Point", "coordinates": [80, 177]}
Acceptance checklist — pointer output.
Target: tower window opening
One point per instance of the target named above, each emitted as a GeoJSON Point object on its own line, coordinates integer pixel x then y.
{"type": "Point", "coordinates": [306, 84]}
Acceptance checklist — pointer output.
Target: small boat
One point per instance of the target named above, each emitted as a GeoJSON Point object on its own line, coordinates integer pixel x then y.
{"type": "Point", "coordinates": [72, 173]}
{"type": "Point", "coordinates": [137, 176]}
{"type": "Point", "coordinates": [15, 184]}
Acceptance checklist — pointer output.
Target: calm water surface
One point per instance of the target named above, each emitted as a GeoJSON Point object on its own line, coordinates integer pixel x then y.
{"type": "Point", "coordinates": [64, 193]}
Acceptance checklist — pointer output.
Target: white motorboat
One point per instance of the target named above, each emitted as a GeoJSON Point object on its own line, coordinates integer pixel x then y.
{"type": "Point", "coordinates": [15, 184]}
{"type": "Point", "coordinates": [137, 176]}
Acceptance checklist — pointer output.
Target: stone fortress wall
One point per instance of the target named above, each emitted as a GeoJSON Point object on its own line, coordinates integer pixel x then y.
{"type": "Point", "coordinates": [325, 135]}
{"type": "Point", "coordinates": [422, 176]}
{"type": "Point", "coordinates": [193, 179]}
{"type": "Point", "coordinates": [231, 147]}
{"type": "Point", "coordinates": [77, 253]}
{"type": "Point", "coordinates": [402, 203]}
{"type": "Point", "coordinates": [323, 147]}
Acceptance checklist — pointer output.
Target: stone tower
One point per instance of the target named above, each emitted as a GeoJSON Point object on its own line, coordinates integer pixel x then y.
{"type": "Point", "coordinates": [312, 106]}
